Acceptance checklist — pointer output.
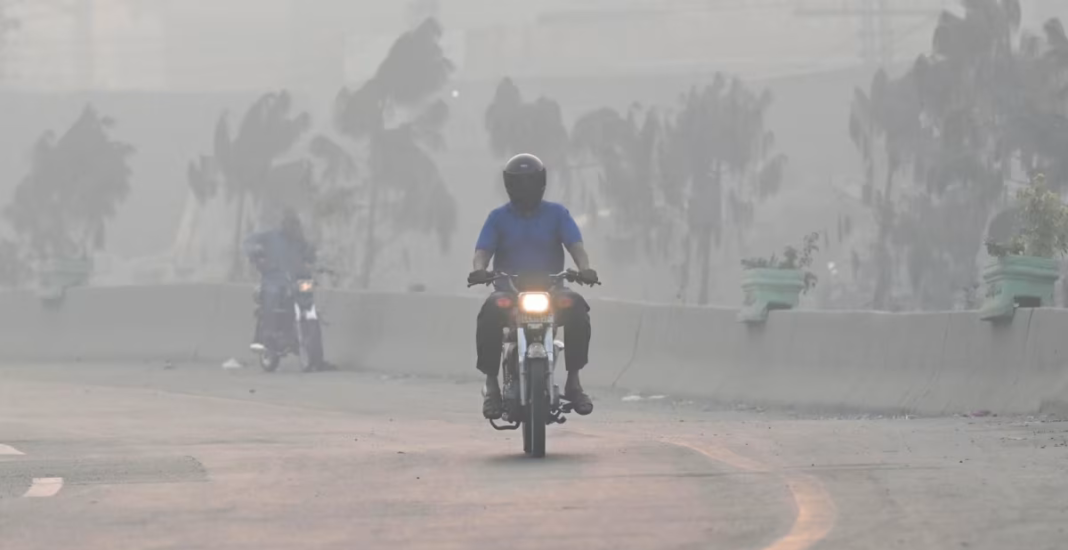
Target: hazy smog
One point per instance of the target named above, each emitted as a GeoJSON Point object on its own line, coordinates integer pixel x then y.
{"type": "Point", "coordinates": [166, 71]}
{"type": "Point", "coordinates": [822, 244]}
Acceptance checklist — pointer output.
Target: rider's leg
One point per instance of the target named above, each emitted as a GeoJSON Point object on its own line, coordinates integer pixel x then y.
{"type": "Point", "coordinates": [257, 335]}
{"type": "Point", "coordinates": [577, 331]}
{"type": "Point", "coordinates": [270, 298]}
{"type": "Point", "coordinates": [489, 338]}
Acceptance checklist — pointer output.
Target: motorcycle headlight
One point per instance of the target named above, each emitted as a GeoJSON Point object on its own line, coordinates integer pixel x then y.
{"type": "Point", "coordinates": [535, 302]}
{"type": "Point", "coordinates": [305, 286]}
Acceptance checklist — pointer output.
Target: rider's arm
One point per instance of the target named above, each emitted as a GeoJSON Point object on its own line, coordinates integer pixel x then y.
{"type": "Point", "coordinates": [482, 260]}
{"type": "Point", "coordinates": [578, 253]}
{"type": "Point", "coordinates": [486, 245]}
{"type": "Point", "coordinates": [571, 236]}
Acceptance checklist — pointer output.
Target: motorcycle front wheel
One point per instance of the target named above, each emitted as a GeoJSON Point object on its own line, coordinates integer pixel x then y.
{"type": "Point", "coordinates": [537, 407]}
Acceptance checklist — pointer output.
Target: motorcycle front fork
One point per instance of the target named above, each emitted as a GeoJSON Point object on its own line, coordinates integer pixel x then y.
{"type": "Point", "coordinates": [515, 381]}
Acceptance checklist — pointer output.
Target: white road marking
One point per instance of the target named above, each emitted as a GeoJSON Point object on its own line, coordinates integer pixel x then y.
{"type": "Point", "coordinates": [9, 450]}
{"type": "Point", "coordinates": [44, 487]}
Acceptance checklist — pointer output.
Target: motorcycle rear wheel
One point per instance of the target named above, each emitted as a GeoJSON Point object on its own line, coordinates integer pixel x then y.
{"type": "Point", "coordinates": [269, 361]}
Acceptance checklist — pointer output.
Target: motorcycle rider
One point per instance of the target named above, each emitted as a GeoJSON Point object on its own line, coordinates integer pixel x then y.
{"type": "Point", "coordinates": [529, 234]}
{"type": "Point", "coordinates": [280, 255]}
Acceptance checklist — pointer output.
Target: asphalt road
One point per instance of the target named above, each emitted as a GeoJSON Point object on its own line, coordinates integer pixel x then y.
{"type": "Point", "coordinates": [194, 457]}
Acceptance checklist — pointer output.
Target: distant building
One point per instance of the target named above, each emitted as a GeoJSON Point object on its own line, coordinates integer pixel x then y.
{"type": "Point", "coordinates": [234, 45]}
{"type": "Point", "coordinates": [230, 45]}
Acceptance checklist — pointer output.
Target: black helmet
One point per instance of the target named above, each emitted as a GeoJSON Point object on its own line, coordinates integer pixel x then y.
{"type": "Point", "coordinates": [524, 179]}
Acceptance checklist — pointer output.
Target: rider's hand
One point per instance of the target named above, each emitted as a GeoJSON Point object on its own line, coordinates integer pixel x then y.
{"type": "Point", "coordinates": [588, 277]}
{"type": "Point", "coordinates": [479, 277]}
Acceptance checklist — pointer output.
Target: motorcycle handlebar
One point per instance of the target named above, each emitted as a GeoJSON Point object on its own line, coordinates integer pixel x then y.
{"type": "Point", "coordinates": [569, 275]}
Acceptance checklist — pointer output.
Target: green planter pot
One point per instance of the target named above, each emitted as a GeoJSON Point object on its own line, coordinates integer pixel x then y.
{"type": "Point", "coordinates": [1012, 281]}
{"type": "Point", "coordinates": [770, 289]}
{"type": "Point", "coordinates": [56, 276]}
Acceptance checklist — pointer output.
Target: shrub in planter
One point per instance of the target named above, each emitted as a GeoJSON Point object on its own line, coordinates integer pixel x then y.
{"type": "Point", "coordinates": [1024, 270]}
{"type": "Point", "coordinates": [777, 283]}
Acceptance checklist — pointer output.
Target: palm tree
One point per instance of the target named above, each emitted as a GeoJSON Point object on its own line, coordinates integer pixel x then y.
{"type": "Point", "coordinates": [77, 180]}
{"type": "Point", "coordinates": [884, 124]}
{"type": "Point", "coordinates": [622, 150]}
{"type": "Point", "coordinates": [951, 128]}
{"type": "Point", "coordinates": [403, 190]}
{"type": "Point", "coordinates": [1040, 119]}
{"type": "Point", "coordinates": [717, 150]}
{"type": "Point", "coordinates": [537, 127]}
{"type": "Point", "coordinates": [249, 166]}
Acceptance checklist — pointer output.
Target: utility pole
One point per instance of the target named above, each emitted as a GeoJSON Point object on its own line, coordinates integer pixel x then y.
{"type": "Point", "coordinates": [876, 24]}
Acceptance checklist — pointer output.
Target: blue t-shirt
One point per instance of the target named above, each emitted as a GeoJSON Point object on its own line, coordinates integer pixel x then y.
{"type": "Point", "coordinates": [529, 244]}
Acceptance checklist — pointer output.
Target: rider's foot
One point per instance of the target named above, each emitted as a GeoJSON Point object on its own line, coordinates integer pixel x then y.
{"type": "Point", "coordinates": [491, 398]}
{"type": "Point", "coordinates": [580, 402]}
{"type": "Point", "coordinates": [257, 347]}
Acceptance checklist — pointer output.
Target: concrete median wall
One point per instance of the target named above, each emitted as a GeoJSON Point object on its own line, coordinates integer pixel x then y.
{"type": "Point", "coordinates": [127, 323]}
{"type": "Point", "coordinates": [931, 363]}
{"type": "Point", "coordinates": [927, 363]}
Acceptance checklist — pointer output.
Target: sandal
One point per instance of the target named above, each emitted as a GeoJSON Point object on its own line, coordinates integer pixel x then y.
{"type": "Point", "coordinates": [581, 403]}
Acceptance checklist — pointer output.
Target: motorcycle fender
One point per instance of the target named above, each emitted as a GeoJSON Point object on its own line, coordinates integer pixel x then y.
{"type": "Point", "coordinates": [536, 350]}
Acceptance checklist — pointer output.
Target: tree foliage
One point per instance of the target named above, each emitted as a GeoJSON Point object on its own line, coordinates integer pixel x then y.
{"type": "Point", "coordinates": [707, 164]}
{"type": "Point", "coordinates": [537, 127]}
{"type": "Point", "coordinates": [242, 165]}
{"type": "Point", "coordinates": [391, 126]}
{"type": "Point", "coordinates": [941, 142]}
{"type": "Point", "coordinates": [76, 182]}
{"type": "Point", "coordinates": [252, 165]}
{"type": "Point", "coordinates": [622, 149]}
{"type": "Point", "coordinates": [1041, 225]}
{"type": "Point", "coordinates": [717, 160]}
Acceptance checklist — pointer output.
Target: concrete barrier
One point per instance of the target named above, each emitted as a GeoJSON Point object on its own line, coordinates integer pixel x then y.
{"type": "Point", "coordinates": [928, 363]}
{"type": "Point", "coordinates": [128, 323]}
{"type": "Point", "coordinates": [415, 333]}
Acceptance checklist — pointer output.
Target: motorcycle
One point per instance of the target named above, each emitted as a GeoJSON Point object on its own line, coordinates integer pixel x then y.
{"type": "Point", "coordinates": [531, 398]}
{"type": "Point", "coordinates": [292, 328]}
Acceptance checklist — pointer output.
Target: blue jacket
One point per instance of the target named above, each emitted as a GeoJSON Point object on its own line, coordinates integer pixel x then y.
{"type": "Point", "coordinates": [277, 254]}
